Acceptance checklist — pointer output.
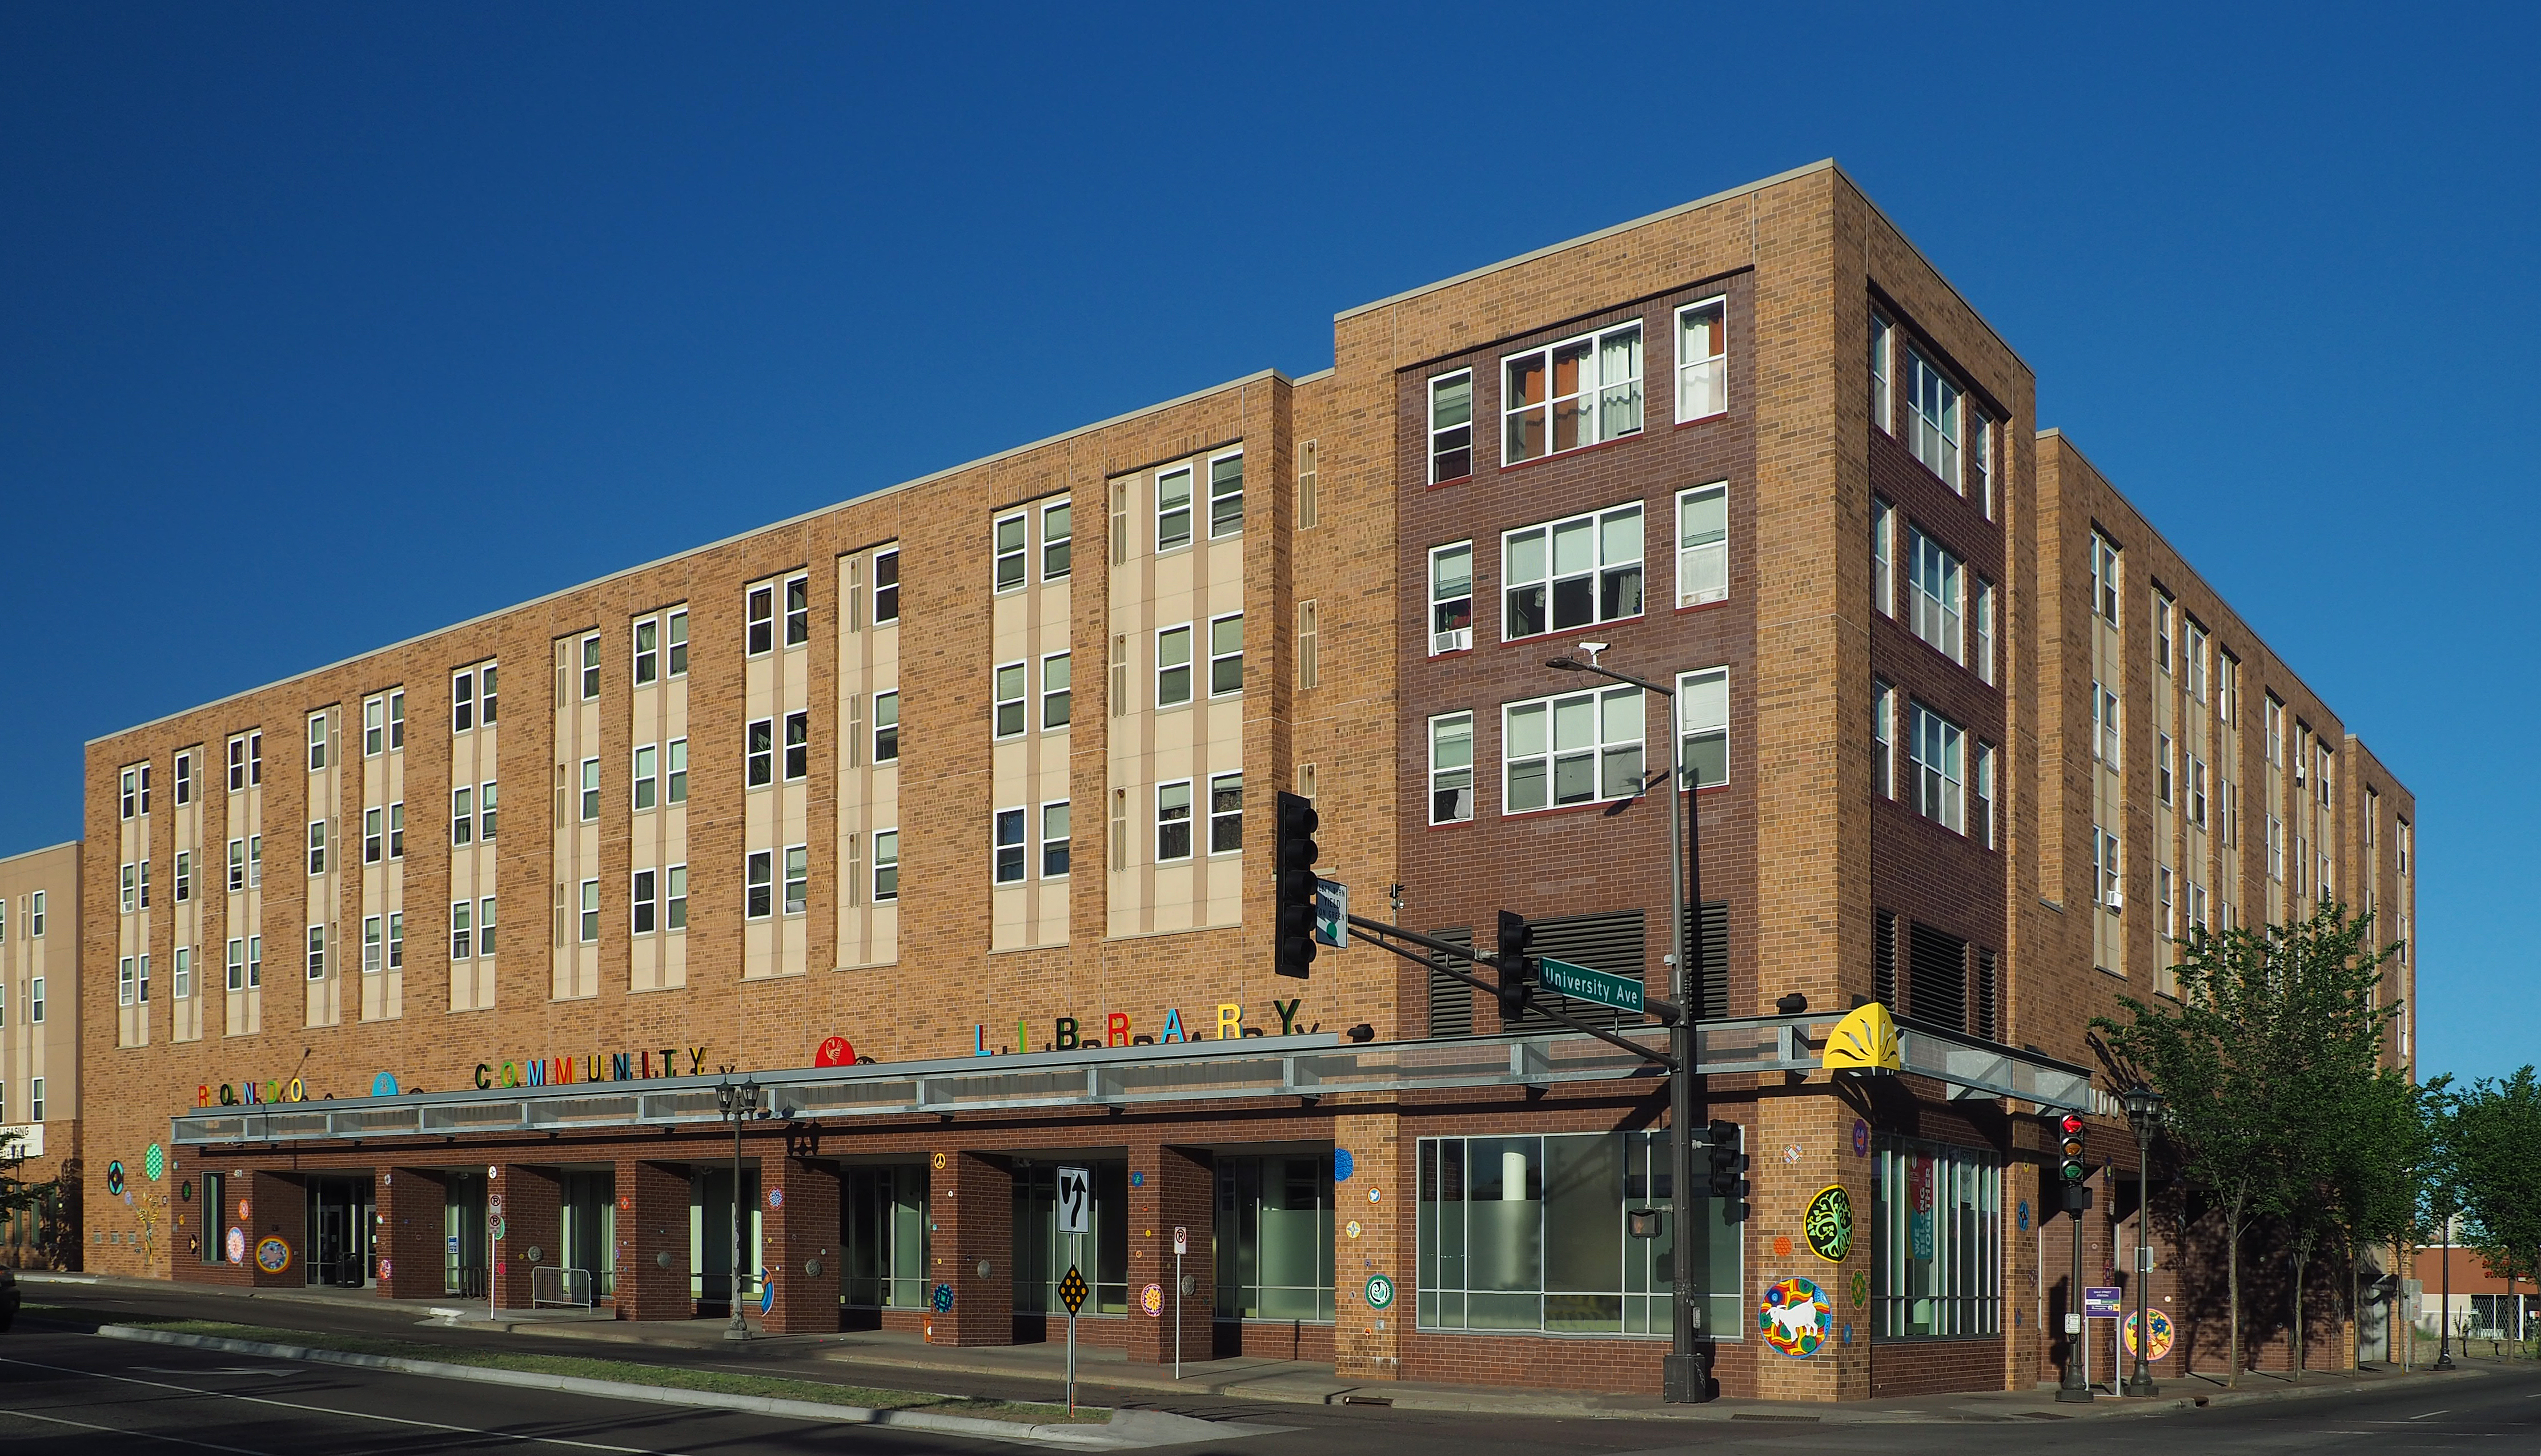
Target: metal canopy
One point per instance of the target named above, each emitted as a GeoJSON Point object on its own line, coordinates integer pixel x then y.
{"type": "Point", "coordinates": [1091, 1077]}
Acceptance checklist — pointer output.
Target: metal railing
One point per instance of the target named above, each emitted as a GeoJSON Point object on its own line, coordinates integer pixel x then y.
{"type": "Point", "coordinates": [568, 1287]}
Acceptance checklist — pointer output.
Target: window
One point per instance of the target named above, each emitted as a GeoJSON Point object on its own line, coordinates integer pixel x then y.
{"type": "Point", "coordinates": [485, 695]}
{"type": "Point", "coordinates": [675, 772]}
{"type": "Point", "coordinates": [1173, 666]}
{"type": "Point", "coordinates": [1934, 437]}
{"type": "Point", "coordinates": [640, 903]}
{"type": "Point", "coordinates": [591, 667]}
{"type": "Point", "coordinates": [317, 753]}
{"type": "Point", "coordinates": [254, 758]}
{"type": "Point", "coordinates": [1938, 1242]}
{"type": "Point", "coordinates": [397, 830]}
{"type": "Point", "coordinates": [185, 778]}
{"type": "Point", "coordinates": [1883, 740]}
{"type": "Point", "coordinates": [1571, 573]}
{"type": "Point", "coordinates": [2194, 660]}
{"type": "Point", "coordinates": [886, 588]}
{"type": "Point", "coordinates": [1936, 603]}
{"type": "Point", "coordinates": [317, 956]}
{"type": "Point", "coordinates": [1010, 551]}
{"type": "Point", "coordinates": [124, 982]}
{"type": "Point", "coordinates": [462, 932]}
{"type": "Point", "coordinates": [760, 759]}
{"type": "Point", "coordinates": [1451, 769]}
{"type": "Point", "coordinates": [237, 866]}
{"type": "Point", "coordinates": [183, 987]}
{"type": "Point", "coordinates": [2104, 578]}
{"type": "Point", "coordinates": [759, 873]}
{"type": "Point", "coordinates": [2161, 630]}
{"type": "Point", "coordinates": [1226, 655]}
{"type": "Point", "coordinates": [485, 928]}
{"type": "Point", "coordinates": [463, 702]}
{"type": "Point", "coordinates": [1576, 748]}
{"type": "Point", "coordinates": [1055, 696]}
{"type": "Point", "coordinates": [237, 963]}
{"type": "Point", "coordinates": [237, 765]}
{"type": "Point", "coordinates": [1703, 544]}
{"type": "Point", "coordinates": [36, 1110]}
{"type": "Point", "coordinates": [1985, 631]}
{"type": "Point", "coordinates": [375, 734]}
{"type": "Point", "coordinates": [396, 720]}
{"type": "Point", "coordinates": [1009, 846]}
{"type": "Point", "coordinates": [798, 746]}
{"type": "Point", "coordinates": [675, 898]}
{"type": "Point", "coordinates": [1576, 393]}
{"type": "Point", "coordinates": [648, 651]}
{"type": "Point", "coordinates": [131, 888]}
{"type": "Point", "coordinates": [1173, 509]}
{"type": "Point", "coordinates": [798, 611]}
{"type": "Point", "coordinates": [1934, 748]}
{"type": "Point", "coordinates": [2110, 867]}
{"type": "Point", "coordinates": [145, 788]}
{"type": "Point", "coordinates": [1054, 839]}
{"type": "Point", "coordinates": [317, 858]}
{"type": "Point", "coordinates": [1980, 460]}
{"type": "Point", "coordinates": [1884, 551]}
{"type": "Point", "coordinates": [485, 811]}
{"type": "Point", "coordinates": [590, 926]}
{"type": "Point", "coordinates": [647, 776]}
{"type": "Point", "coordinates": [885, 865]}
{"type": "Point", "coordinates": [255, 860]}
{"type": "Point", "coordinates": [589, 790]}
{"type": "Point", "coordinates": [1451, 598]}
{"type": "Point", "coordinates": [127, 796]}
{"type": "Point", "coordinates": [374, 836]}
{"type": "Point", "coordinates": [798, 878]}
{"type": "Point", "coordinates": [462, 816]}
{"type": "Point", "coordinates": [1985, 793]}
{"type": "Point", "coordinates": [255, 962]}
{"type": "Point", "coordinates": [2105, 726]}
{"type": "Point", "coordinates": [1310, 643]}
{"type": "Point", "coordinates": [1057, 525]}
{"type": "Point", "coordinates": [35, 999]}
{"type": "Point", "coordinates": [1225, 495]}
{"type": "Point", "coordinates": [1702, 360]}
{"type": "Point", "coordinates": [2274, 745]}
{"type": "Point", "coordinates": [1225, 813]}
{"type": "Point", "coordinates": [2197, 790]}
{"type": "Point", "coordinates": [397, 941]}
{"type": "Point", "coordinates": [1703, 748]}
{"type": "Point", "coordinates": [1883, 374]}
{"type": "Point", "coordinates": [679, 634]}
{"type": "Point", "coordinates": [1173, 821]}
{"type": "Point", "coordinates": [1007, 687]}
{"type": "Point", "coordinates": [372, 945]}
{"type": "Point", "coordinates": [145, 978]}
{"type": "Point", "coordinates": [761, 625]}
{"type": "Point", "coordinates": [185, 876]}
{"type": "Point", "coordinates": [2163, 749]}
{"type": "Point", "coordinates": [1451, 427]}
{"type": "Point", "coordinates": [886, 728]}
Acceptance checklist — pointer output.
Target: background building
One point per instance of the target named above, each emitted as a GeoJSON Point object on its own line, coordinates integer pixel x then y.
{"type": "Point", "coordinates": [916, 781]}
{"type": "Point", "coordinates": [39, 1045]}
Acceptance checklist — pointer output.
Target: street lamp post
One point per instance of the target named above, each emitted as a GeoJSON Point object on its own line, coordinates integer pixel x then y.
{"type": "Point", "coordinates": [2444, 1320]}
{"type": "Point", "coordinates": [2144, 1110]}
{"type": "Point", "coordinates": [1686, 1381]}
{"type": "Point", "coordinates": [738, 1102]}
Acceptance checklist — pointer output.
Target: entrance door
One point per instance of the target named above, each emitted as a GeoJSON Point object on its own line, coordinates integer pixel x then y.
{"type": "Point", "coordinates": [340, 1232]}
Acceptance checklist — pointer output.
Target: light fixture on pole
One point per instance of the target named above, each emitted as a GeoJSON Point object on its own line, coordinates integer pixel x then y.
{"type": "Point", "coordinates": [1686, 1379]}
{"type": "Point", "coordinates": [2143, 1112]}
{"type": "Point", "coordinates": [738, 1102]}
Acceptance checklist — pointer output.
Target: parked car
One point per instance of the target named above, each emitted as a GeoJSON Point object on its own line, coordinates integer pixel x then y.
{"type": "Point", "coordinates": [8, 1296]}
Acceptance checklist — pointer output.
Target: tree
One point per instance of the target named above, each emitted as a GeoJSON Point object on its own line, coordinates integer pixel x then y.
{"type": "Point", "coordinates": [2494, 1151]}
{"type": "Point", "coordinates": [2274, 1036]}
{"type": "Point", "coordinates": [2385, 1166]}
{"type": "Point", "coordinates": [16, 1193]}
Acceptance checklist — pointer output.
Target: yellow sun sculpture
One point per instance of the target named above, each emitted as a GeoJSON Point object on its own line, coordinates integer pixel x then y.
{"type": "Point", "coordinates": [1864, 1040]}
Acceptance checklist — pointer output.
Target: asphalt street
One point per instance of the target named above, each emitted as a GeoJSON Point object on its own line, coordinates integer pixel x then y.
{"type": "Point", "coordinates": [63, 1389]}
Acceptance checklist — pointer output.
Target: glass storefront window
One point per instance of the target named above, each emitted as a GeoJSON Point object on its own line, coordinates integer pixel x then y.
{"type": "Point", "coordinates": [1528, 1233]}
{"type": "Point", "coordinates": [886, 1237]}
{"type": "Point", "coordinates": [1939, 1216]}
{"type": "Point", "coordinates": [587, 1219]}
{"type": "Point", "coordinates": [1275, 1237]}
{"type": "Point", "coordinates": [711, 1279]}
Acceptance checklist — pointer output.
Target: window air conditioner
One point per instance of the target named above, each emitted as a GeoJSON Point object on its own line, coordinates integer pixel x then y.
{"type": "Point", "coordinates": [1455, 639]}
{"type": "Point", "coordinates": [2117, 899]}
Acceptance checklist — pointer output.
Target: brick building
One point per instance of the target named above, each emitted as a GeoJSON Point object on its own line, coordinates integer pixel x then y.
{"type": "Point", "coordinates": [934, 828]}
{"type": "Point", "coordinates": [39, 1036]}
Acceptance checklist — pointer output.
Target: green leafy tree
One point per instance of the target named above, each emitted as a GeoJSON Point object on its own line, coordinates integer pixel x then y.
{"type": "Point", "coordinates": [2493, 1152]}
{"type": "Point", "coordinates": [2385, 1165]}
{"type": "Point", "coordinates": [17, 1195]}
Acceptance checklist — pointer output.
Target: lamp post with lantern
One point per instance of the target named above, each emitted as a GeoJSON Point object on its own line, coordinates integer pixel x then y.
{"type": "Point", "coordinates": [738, 1101]}
{"type": "Point", "coordinates": [2144, 1113]}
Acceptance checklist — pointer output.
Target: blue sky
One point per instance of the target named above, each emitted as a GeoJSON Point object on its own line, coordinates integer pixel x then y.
{"type": "Point", "coordinates": [323, 326]}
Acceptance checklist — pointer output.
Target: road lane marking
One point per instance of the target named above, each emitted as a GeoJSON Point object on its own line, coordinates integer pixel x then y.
{"type": "Point", "coordinates": [144, 1434]}
{"type": "Point", "coordinates": [2431, 1413]}
{"type": "Point", "coordinates": [222, 1394]}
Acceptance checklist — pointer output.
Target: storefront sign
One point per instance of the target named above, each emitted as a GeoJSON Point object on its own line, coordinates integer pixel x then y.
{"type": "Point", "coordinates": [2102, 1301]}
{"type": "Point", "coordinates": [1828, 1225]}
{"type": "Point", "coordinates": [272, 1255]}
{"type": "Point", "coordinates": [607, 1067]}
{"type": "Point", "coordinates": [1070, 1033]}
{"type": "Point", "coordinates": [1793, 1317]}
{"type": "Point", "coordinates": [251, 1093]}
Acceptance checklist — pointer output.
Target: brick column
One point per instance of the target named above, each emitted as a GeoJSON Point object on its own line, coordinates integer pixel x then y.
{"type": "Point", "coordinates": [1170, 1186]}
{"type": "Point", "coordinates": [412, 1206]}
{"type": "Point", "coordinates": [653, 1241]}
{"type": "Point", "coordinates": [1820, 1127]}
{"type": "Point", "coordinates": [802, 1236]}
{"type": "Point", "coordinates": [1367, 1342]}
{"type": "Point", "coordinates": [971, 1218]}
{"type": "Point", "coordinates": [278, 1208]}
{"type": "Point", "coordinates": [531, 1197]}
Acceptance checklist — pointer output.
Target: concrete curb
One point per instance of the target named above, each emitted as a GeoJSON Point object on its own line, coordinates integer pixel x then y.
{"type": "Point", "coordinates": [1142, 1432]}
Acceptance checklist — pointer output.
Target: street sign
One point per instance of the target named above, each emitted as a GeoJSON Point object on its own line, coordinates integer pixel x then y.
{"type": "Point", "coordinates": [2102, 1302]}
{"type": "Point", "coordinates": [1075, 1200]}
{"type": "Point", "coordinates": [1182, 1239]}
{"type": "Point", "coordinates": [494, 1228]}
{"type": "Point", "coordinates": [1332, 912]}
{"type": "Point", "coordinates": [1071, 1290]}
{"type": "Point", "coordinates": [1586, 983]}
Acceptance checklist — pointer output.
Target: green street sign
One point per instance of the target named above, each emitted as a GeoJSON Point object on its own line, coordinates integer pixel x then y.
{"type": "Point", "coordinates": [1583, 984]}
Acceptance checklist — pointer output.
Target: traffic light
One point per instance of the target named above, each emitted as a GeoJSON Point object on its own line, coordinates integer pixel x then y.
{"type": "Point", "coordinates": [1295, 899]}
{"type": "Point", "coordinates": [2069, 1172]}
{"type": "Point", "coordinates": [1515, 934]}
{"type": "Point", "coordinates": [1729, 1187]}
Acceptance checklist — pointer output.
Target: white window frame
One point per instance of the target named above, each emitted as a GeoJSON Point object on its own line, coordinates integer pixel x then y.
{"type": "Point", "coordinates": [1008, 831]}
{"type": "Point", "coordinates": [2164, 613]}
{"type": "Point", "coordinates": [797, 602]}
{"type": "Point", "coordinates": [644, 651]}
{"type": "Point", "coordinates": [1937, 414]}
{"type": "Point", "coordinates": [1059, 698]}
{"type": "Point", "coordinates": [2165, 777]}
{"type": "Point", "coordinates": [796, 765]}
{"type": "Point", "coordinates": [886, 594]}
{"type": "Point", "coordinates": [759, 885]}
{"type": "Point", "coordinates": [759, 754]}
{"type": "Point", "coordinates": [1979, 457]}
{"type": "Point", "coordinates": [1010, 701]}
{"type": "Point", "coordinates": [1985, 648]}
{"type": "Point", "coordinates": [318, 736]}
{"type": "Point", "coordinates": [238, 866]}
{"type": "Point", "coordinates": [1702, 716]}
{"type": "Point", "coordinates": [886, 862]}
{"type": "Point", "coordinates": [674, 898]}
{"type": "Point", "coordinates": [316, 957]}
{"type": "Point", "coordinates": [643, 901]}
{"type": "Point", "coordinates": [2106, 564]}
{"type": "Point", "coordinates": [645, 775]}
{"type": "Point", "coordinates": [463, 929]}
{"type": "Point", "coordinates": [1883, 556]}
{"type": "Point", "coordinates": [1598, 574]}
{"type": "Point", "coordinates": [2198, 643]}
{"type": "Point", "coordinates": [758, 620]}
{"type": "Point", "coordinates": [1442, 429]}
{"type": "Point", "coordinates": [1702, 553]}
{"type": "Point", "coordinates": [675, 634]}
{"type": "Point", "coordinates": [590, 806]}
{"type": "Point", "coordinates": [237, 963]}
{"type": "Point", "coordinates": [1449, 774]}
{"type": "Point", "coordinates": [885, 726]}
{"type": "Point", "coordinates": [1590, 400]}
{"type": "Point", "coordinates": [1883, 373]}
{"type": "Point", "coordinates": [1220, 817]}
{"type": "Point", "coordinates": [1058, 541]}
{"type": "Point", "coordinates": [1703, 380]}
{"type": "Point", "coordinates": [1172, 692]}
{"type": "Point", "coordinates": [374, 834]}
{"type": "Point", "coordinates": [591, 667]}
{"type": "Point", "coordinates": [1174, 508]}
{"type": "Point", "coordinates": [316, 858]}
{"type": "Point", "coordinates": [1220, 655]}
{"type": "Point", "coordinates": [1937, 581]}
{"type": "Point", "coordinates": [588, 930]}
{"type": "Point", "coordinates": [396, 940]}
{"type": "Point", "coordinates": [1054, 833]}
{"type": "Point", "coordinates": [1883, 738]}
{"type": "Point", "coordinates": [1605, 755]}
{"type": "Point", "coordinates": [463, 701]}
{"type": "Point", "coordinates": [1011, 563]}
{"type": "Point", "coordinates": [183, 882]}
{"type": "Point", "coordinates": [372, 945]}
{"type": "Point", "coordinates": [675, 772]}
{"type": "Point", "coordinates": [1936, 753]}
{"type": "Point", "coordinates": [486, 812]}
{"type": "Point", "coordinates": [796, 898]}
{"type": "Point", "coordinates": [374, 732]}
{"type": "Point", "coordinates": [1447, 633]}
{"type": "Point", "coordinates": [181, 986]}
{"type": "Point", "coordinates": [1225, 502]}
{"type": "Point", "coordinates": [1180, 817]}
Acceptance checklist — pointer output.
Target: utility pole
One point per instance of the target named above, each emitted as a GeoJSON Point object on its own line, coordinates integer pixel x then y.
{"type": "Point", "coordinates": [737, 1103]}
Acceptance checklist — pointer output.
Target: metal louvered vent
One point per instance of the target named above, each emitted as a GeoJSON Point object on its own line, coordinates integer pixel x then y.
{"type": "Point", "coordinates": [1613, 941]}
{"type": "Point", "coordinates": [1988, 1025]}
{"type": "Point", "coordinates": [1711, 959]}
{"type": "Point", "coordinates": [1451, 1001]}
{"type": "Point", "coordinates": [1937, 995]}
{"type": "Point", "coordinates": [1884, 961]}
